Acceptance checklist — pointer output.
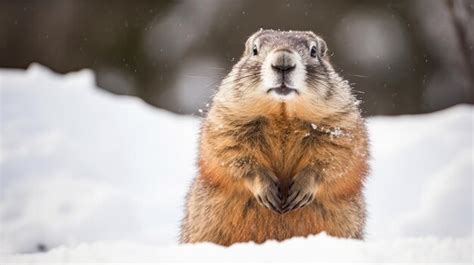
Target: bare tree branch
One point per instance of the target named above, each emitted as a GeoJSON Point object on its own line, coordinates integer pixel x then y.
{"type": "Point", "coordinates": [461, 13]}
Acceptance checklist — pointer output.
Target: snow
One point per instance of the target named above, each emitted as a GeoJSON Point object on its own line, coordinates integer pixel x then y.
{"type": "Point", "coordinates": [321, 248]}
{"type": "Point", "coordinates": [92, 176]}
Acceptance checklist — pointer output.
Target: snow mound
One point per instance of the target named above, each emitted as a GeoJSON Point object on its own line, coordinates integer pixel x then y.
{"type": "Point", "coordinates": [99, 177]}
{"type": "Point", "coordinates": [319, 248]}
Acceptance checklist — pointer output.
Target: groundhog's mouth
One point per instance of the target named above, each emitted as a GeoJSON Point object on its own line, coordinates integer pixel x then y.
{"type": "Point", "coordinates": [282, 90]}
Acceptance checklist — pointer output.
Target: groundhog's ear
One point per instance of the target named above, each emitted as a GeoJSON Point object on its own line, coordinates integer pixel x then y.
{"type": "Point", "coordinates": [323, 48]}
{"type": "Point", "coordinates": [249, 44]}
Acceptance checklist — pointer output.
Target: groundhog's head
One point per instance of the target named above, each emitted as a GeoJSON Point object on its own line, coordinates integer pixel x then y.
{"type": "Point", "coordinates": [286, 66]}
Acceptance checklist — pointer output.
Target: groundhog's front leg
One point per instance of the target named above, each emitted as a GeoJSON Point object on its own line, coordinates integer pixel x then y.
{"type": "Point", "coordinates": [264, 186]}
{"type": "Point", "coordinates": [301, 190]}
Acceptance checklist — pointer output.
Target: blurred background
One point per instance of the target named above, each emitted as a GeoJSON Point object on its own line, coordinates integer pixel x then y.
{"type": "Point", "coordinates": [402, 57]}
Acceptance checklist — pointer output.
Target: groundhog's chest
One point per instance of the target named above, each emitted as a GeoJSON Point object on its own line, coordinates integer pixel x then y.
{"type": "Point", "coordinates": [282, 143]}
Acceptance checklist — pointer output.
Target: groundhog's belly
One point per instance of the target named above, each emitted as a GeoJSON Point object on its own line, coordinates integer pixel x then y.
{"type": "Point", "coordinates": [242, 219]}
{"type": "Point", "coordinates": [259, 223]}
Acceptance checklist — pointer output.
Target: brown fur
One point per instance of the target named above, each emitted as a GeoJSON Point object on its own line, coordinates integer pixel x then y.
{"type": "Point", "coordinates": [241, 139]}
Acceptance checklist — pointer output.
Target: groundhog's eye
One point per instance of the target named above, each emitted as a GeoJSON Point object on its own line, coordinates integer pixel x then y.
{"type": "Point", "coordinates": [313, 51]}
{"type": "Point", "coordinates": [254, 49]}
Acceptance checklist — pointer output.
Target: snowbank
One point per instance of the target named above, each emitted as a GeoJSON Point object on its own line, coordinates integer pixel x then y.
{"type": "Point", "coordinates": [100, 177]}
{"type": "Point", "coordinates": [320, 248]}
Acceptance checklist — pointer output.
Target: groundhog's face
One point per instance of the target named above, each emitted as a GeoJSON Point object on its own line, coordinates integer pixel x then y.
{"type": "Point", "coordinates": [284, 64]}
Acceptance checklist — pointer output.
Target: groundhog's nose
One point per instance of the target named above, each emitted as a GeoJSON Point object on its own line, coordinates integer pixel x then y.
{"type": "Point", "coordinates": [283, 61]}
{"type": "Point", "coordinates": [283, 68]}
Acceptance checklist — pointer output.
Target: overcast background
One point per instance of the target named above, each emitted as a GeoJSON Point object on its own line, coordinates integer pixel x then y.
{"type": "Point", "coordinates": [401, 56]}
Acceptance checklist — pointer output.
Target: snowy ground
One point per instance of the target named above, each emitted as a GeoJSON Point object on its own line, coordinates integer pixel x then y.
{"type": "Point", "coordinates": [91, 176]}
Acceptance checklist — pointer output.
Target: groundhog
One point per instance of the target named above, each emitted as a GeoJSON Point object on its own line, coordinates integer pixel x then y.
{"type": "Point", "coordinates": [283, 148]}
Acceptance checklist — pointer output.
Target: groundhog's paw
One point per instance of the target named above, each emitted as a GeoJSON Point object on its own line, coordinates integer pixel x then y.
{"type": "Point", "coordinates": [301, 192]}
{"type": "Point", "coordinates": [266, 190]}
